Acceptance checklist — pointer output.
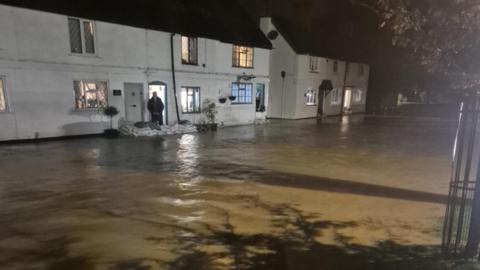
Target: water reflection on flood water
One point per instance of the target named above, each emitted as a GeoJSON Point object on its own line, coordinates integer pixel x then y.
{"type": "Point", "coordinates": [360, 193]}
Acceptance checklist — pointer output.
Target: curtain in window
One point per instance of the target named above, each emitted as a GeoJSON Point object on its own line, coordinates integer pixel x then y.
{"type": "Point", "coordinates": [90, 95]}
{"type": "Point", "coordinates": [190, 99]}
{"type": "Point", "coordinates": [242, 56]}
{"type": "Point", "coordinates": [89, 33]}
{"type": "Point", "coordinates": [189, 50]}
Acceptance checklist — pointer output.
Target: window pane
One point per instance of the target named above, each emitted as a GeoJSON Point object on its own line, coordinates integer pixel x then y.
{"type": "Point", "coordinates": [190, 102]}
{"type": "Point", "coordinates": [102, 94]}
{"type": "Point", "coordinates": [90, 95]}
{"type": "Point", "coordinates": [189, 50]}
{"type": "Point", "coordinates": [75, 35]}
{"type": "Point", "coordinates": [3, 99]}
{"type": "Point", "coordinates": [89, 32]}
{"type": "Point", "coordinates": [243, 92]}
{"type": "Point", "coordinates": [183, 98]}
{"type": "Point", "coordinates": [197, 100]}
{"type": "Point", "coordinates": [242, 56]}
{"type": "Point", "coordinates": [193, 50]}
{"type": "Point", "coordinates": [190, 99]}
{"type": "Point", "coordinates": [185, 54]}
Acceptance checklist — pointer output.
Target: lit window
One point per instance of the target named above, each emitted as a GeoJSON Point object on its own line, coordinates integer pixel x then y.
{"type": "Point", "coordinates": [3, 96]}
{"type": "Point", "coordinates": [189, 51]}
{"type": "Point", "coordinates": [313, 64]}
{"type": "Point", "coordinates": [82, 36]}
{"type": "Point", "coordinates": [190, 97]}
{"type": "Point", "coordinates": [242, 92]}
{"type": "Point", "coordinates": [335, 67]}
{"type": "Point", "coordinates": [311, 97]}
{"type": "Point", "coordinates": [90, 94]}
{"type": "Point", "coordinates": [335, 97]}
{"type": "Point", "coordinates": [242, 57]}
{"type": "Point", "coordinates": [358, 96]}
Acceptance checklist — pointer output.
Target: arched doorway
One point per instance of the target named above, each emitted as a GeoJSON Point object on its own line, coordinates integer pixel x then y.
{"type": "Point", "coordinates": [161, 89]}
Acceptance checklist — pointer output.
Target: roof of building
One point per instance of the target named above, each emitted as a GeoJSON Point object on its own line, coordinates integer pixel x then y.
{"type": "Point", "coordinates": [220, 20]}
{"type": "Point", "coordinates": [307, 43]}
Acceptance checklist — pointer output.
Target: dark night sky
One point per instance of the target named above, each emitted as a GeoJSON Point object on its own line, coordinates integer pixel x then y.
{"type": "Point", "coordinates": [348, 33]}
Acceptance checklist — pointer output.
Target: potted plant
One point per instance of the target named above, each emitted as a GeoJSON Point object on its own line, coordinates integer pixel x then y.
{"type": "Point", "coordinates": [210, 111]}
{"type": "Point", "coordinates": [232, 98]}
{"type": "Point", "coordinates": [202, 126]}
{"type": "Point", "coordinates": [111, 111]}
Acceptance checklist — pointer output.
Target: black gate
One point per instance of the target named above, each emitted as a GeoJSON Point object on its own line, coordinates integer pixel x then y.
{"type": "Point", "coordinates": [461, 234]}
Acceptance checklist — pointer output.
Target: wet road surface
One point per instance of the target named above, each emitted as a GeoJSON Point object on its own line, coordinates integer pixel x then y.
{"type": "Point", "coordinates": [357, 193]}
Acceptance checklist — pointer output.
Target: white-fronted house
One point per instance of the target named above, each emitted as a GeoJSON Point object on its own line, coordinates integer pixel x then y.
{"type": "Point", "coordinates": [58, 71]}
{"type": "Point", "coordinates": [298, 76]}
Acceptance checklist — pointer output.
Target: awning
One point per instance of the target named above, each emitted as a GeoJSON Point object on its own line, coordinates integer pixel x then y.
{"type": "Point", "coordinates": [326, 86]}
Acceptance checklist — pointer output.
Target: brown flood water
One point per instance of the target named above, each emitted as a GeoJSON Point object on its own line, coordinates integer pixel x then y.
{"type": "Point", "coordinates": [362, 193]}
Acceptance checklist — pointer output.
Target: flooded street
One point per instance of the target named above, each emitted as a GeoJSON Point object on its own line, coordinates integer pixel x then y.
{"type": "Point", "coordinates": [362, 193]}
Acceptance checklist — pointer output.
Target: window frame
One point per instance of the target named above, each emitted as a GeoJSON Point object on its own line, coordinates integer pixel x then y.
{"type": "Point", "coordinates": [107, 83]}
{"type": "Point", "coordinates": [189, 62]}
{"type": "Point", "coordinates": [236, 101]}
{"type": "Point", "coordinates": [314, 95]}
{"type": "Point", "coordinates": [82, 37]}
{"type": "Point", "coordinates": [314, 62]}
{"type": "Point", "coordinates": [199, 99]}
{"type": "Point", "coordinates": [234, 57]}
{"type": "Point", "coordinates": [5, 95]}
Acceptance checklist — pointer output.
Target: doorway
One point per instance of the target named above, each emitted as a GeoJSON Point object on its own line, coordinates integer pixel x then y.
{"type": "Point", "coordinates": [347, 103]}
{"type": "Point", "coordinates": [133, 102]}
{"type": "Point", "coordinates": [161, 89]}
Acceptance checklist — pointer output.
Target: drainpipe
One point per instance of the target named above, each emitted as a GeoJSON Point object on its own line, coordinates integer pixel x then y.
{"type": "Point", "coordinates": [342, 112]}
{"type": "Point", "coordinates": [173, 77]}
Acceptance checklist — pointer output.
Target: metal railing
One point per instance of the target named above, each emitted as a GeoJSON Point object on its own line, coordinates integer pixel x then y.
{"type": "Point", "coordinates": [459, 234]}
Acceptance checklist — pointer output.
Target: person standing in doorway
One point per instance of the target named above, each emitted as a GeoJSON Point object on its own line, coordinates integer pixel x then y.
{"type": "Point", "coordinates": [156, 107]}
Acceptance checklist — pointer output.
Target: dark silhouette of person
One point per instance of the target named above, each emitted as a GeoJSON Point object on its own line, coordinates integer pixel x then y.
{"type": "Point", "coordinates": [156, 107]}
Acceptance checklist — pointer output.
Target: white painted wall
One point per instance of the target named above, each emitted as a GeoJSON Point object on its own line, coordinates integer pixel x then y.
{"type": "Point", "coordinates": [299, 79]}
{"type": "Point", "coordinates": [283, 92]}
{"type": "Point", "coordinates": [39, 70]}
{"type": "Point", "coordinates": [337, 79]}
{"type": "Point", "coordinates": [359, 83]}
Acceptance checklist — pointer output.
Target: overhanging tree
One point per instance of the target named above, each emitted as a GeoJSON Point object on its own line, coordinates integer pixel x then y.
{"type": "Point", "coordinates": [444, 36]}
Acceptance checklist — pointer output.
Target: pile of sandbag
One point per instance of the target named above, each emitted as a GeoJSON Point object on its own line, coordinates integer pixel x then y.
{"type": "Point", "coordinates": [153, 130]}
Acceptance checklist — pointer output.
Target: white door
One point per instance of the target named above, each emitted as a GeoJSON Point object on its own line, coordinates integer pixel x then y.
{"type": "Point", "coordinates": [133, 102]}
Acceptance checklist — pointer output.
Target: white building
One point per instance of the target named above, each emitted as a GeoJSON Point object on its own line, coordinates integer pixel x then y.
{"type": "Point", "coordinates": [58, 71]}
{"type": "Point", "coordinates": [297, 72]}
